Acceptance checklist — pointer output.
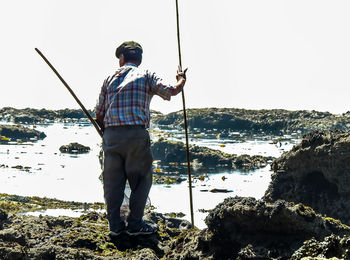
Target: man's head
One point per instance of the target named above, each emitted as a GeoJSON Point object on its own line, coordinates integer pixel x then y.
{"type": "Point", "coordinates": [129, 51]}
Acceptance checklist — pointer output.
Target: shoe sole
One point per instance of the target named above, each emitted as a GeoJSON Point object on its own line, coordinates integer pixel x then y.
{"type": "Point", "coordinates": [115, 234]}
{"type": "Point", "coordinates": [139, 233]}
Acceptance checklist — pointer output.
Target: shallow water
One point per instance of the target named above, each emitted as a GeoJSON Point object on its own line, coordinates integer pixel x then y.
{"type": "Point", "coordinates": [49, 173]}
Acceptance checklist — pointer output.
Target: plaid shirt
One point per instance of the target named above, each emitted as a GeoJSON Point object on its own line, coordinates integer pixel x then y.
{"type": "Point", "coordinates": [125, 97]}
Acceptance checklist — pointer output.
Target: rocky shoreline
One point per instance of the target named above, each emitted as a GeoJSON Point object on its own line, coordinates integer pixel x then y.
{"type": "Point", "coordinates": [304, 213]}
{"type": "Point", "coordinates": [299, 217]}
{"type": "Point", "coordinates": [34, 116]}
{"type": "Point", "coordinates": [222, 119]}
{"type": "Point", "coordinates": [238, 228]}
{"type": "Point", "coordinates": [256, 121]}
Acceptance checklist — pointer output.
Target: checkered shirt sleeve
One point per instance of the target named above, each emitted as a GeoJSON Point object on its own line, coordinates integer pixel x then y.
{"type": "Point", "coordinates": [157, 87]}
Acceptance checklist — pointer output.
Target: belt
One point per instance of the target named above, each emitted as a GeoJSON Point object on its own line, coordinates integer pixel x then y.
{"type": "Point", "coordinates": [128, 126]}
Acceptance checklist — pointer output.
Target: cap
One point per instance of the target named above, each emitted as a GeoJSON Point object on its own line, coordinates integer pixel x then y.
{"type": "Point", "coordinates": [130, 47]}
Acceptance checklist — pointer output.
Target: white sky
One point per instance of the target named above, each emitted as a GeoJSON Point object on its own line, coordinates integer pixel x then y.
{"type": "Point", "coordinates": [245, 54]}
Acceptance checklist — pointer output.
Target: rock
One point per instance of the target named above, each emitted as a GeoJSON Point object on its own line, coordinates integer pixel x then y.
{"type": "Point", "coordinates": [15, 132]}
{"type": "Point", "coordinates": [316, 173]}
{"type": "Point", "coordinates": [20, 204]}
{"type": "Point", "coordinates": [255, 121]}
{"type": "Point", "coordinates": [74, 148]}
{"type": "Point", "coordinates": [241, 228]}
{"type": "Point", "coordinates": [145, 254]}
{"type": "Point", "coordinates": [86, 237]}
{"type": "Point", "coordinates": [332, 247]}
{"type": "Point", "coordinates": [170, 222]}
{"type": "Point", "coordinates": [238, 228]}
{"type": "Point", "coordinates": [170, 152]}
{"type": "Point", "coordinates": [3, 215]}
{"type": "Point", "coordinates": [215, 190]}
{"type": "Point", "coordinates": [192, 244]}
{"type": "Point", "coordinates": [28, 237]}
{"type": "Point", "coordinates": [165, 179]}
{"type": "Point", "coordinates": [12, 235]}
{"type": "Point", "coordinates": [31, 116]}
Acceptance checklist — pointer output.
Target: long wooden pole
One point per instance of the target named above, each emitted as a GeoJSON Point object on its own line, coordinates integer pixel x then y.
{"type": "Point", "coordinates": [185, 119]}
{"type": "Point", "coordinates": [72, 93]}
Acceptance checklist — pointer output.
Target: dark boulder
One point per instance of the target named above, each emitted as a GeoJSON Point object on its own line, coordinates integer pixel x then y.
{"type": "Point", "coordinates": [171, 151]}
{"type": "Point", "coordinates": [74, 148]}
{"type": "Point", "coordinates": [316, 173]}
{"type": "Point", "coordinates": [19, 132]}
{"type": "Point", "coordinates": [241, 228]}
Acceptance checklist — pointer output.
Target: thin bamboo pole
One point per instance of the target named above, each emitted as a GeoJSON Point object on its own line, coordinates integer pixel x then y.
{"type": "Point", "coordinates": [185, 119]}
{"type": "Point", "coordinates": [72, 93]}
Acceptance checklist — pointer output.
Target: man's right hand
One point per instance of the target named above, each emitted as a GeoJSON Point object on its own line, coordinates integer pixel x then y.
{"type": "Point", "coordinates": [181, 74]}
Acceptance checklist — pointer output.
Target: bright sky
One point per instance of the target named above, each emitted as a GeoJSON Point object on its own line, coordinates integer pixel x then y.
{"type": "Point", "coordinates": [258, 54]}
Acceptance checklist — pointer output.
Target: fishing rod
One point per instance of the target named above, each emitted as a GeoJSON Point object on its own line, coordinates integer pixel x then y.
{"type": "Point", "coordinates": [72, 93]}
{"type": "Point", "coordinates": [185, 119]}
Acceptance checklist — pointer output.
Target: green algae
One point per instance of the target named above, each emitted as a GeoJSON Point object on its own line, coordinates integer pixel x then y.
{"type": "Point", "coordinates": [21, 204]}
{"type": "Point", "coordinates": [307, 212]}
{"type": "Point", "coordinates": [336, 222]}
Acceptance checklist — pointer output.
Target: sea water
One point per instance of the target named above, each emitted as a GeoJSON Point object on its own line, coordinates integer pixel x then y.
{"type": "Point", "coordinates": [40, 169]}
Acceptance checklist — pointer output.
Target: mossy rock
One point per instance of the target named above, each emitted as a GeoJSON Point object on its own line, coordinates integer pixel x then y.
{"type": "Point", "coordinates": [74, 148]}
{"type": "Point", "coordinates": [255, 121]}
{"type": "Point", "coordinates": [14, 132]}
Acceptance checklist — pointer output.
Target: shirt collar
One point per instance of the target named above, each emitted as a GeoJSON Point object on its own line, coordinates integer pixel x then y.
{"type": "Point", "coordinates": [130, 64]}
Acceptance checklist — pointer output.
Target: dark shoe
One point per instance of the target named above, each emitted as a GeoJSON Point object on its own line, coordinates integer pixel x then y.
{"type": "Point", "coordinates": [143, 229]}
{"type": "Point", "coordinates": [116, 232]}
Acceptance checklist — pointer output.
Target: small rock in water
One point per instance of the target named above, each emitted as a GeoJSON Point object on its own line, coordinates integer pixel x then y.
{"type": "Point", "coordinates": [220, 190]}
{"type": "Point", "coordinates": [74, 148]}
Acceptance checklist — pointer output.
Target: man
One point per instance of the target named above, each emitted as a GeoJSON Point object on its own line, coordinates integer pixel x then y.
{"type": "Point", "coordinates": [123, 111]}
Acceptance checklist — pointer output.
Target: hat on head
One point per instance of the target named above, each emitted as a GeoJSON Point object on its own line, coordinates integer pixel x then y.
{"type": "Point", "coordinates": [129, 47]}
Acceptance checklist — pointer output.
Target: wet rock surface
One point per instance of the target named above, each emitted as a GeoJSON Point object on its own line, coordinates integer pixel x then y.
{"type": "Point", "coordinates": [268, 121]}
{"type": "Point", "coordinates": [74, 148]}
{"type": "Point", "coordinates": [20, 204]}
{"type": "Point", "coordinates": [14, 132]}
{"type": "Point", "coordinates": [316, 173]}
{"type": "Point", "coordinates": [242, 228]}
{"type": "Point", "coordinates": [175, 153]}
{"type": "Point", "coordinates": [86, 237]}
{"type": "Point", "coordinates": [238, 228]}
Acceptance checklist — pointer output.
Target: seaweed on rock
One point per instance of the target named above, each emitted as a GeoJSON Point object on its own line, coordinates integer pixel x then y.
{"type": "Point", "coordinates": [316, 173]}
